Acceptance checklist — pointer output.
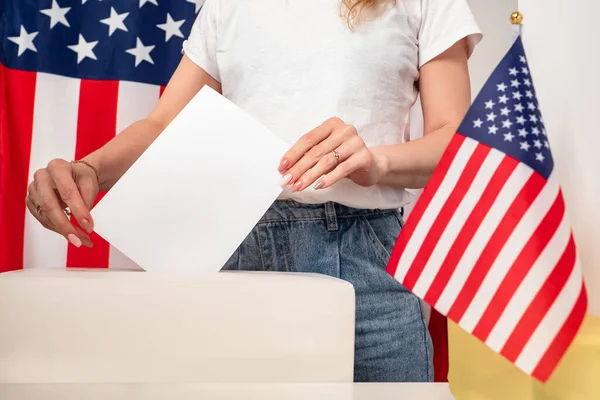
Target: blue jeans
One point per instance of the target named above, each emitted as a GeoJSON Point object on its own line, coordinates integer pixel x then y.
{"type": "Point", "coordinates": [392, 343]}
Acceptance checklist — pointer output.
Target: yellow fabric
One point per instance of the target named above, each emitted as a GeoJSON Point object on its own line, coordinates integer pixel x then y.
{"type": "Point", "coordinates": [478, 373]}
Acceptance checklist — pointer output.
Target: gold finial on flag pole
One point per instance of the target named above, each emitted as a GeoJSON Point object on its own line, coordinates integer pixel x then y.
{"type": "Point", "coordinates": [516, 18]}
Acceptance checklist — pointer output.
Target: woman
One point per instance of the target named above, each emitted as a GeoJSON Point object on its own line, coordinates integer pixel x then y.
{"type": "Point", "coordinates": [337, 80]}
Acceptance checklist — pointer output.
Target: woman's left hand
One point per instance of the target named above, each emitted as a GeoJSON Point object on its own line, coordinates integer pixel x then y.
{"type": "Point", "coordinates": [327, 154]}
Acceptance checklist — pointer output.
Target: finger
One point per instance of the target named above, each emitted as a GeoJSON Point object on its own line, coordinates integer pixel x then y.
{"type": "Point", "coordinates": [32, 202]}
{"type": "Point", "coordinates": [62, 204]}
{"type": "Point", "coordinates": [62, 175]}
{"type": "Point", "coordinates": [307, 142]}
{"type": "Point", "coordinates": [51, 208]}
{"type": "Point", "coordinates": [32, 207]}
{"type": "Point", "coordinates": [362, 159]}
{"type": "Point", "coordinates": [41, 217]}
{"type": "Point", "coordinates": [32, 193]}
{"type": "Point", "coordinates": [88, 188]}
{"type": "Point", "coordinates": [85, 239]}
{"type": "Point", "coordinates": [329, 162]}
{"type": "Point", "coordinates": [296, 175]}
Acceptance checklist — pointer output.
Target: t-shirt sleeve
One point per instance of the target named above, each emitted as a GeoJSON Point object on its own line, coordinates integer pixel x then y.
{"type": "Point", "coordinates": [201, 44]}
{"type": "Point", "coordinates": [443, 23]}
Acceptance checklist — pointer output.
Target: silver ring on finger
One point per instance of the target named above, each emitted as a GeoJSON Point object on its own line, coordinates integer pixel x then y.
{"type": "Point", "coordinates": [38, 209]}
{"type": "Point", "coordinates": [67, 212]}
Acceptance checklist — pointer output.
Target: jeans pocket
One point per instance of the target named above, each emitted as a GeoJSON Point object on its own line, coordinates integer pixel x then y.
{"type": "Point", "coordinates": [383, 230]}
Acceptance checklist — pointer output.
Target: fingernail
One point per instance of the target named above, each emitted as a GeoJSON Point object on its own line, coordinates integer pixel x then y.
{"type": "Point", "coordinates": [85, 224]}
{"type": "Point", "coordinates": [286, 179]}
{"type": "Point", "coordinates": [283, 165]}
{"type": "Point", "coordinates": [75, 241]}
{"type": "Point", "coordinates": [296, 186]}
{"type": "Point", "coordinates": [319, 184]}
{"type": "Point", "coordinates": [86, 242]}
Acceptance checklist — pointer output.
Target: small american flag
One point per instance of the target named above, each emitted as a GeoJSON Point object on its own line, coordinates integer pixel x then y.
{"type": "Point", "coordinates": [488, 243]}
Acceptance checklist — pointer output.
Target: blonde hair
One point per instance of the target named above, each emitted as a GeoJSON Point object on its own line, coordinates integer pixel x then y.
{"type": "Point", "coordinates": [355, 9]}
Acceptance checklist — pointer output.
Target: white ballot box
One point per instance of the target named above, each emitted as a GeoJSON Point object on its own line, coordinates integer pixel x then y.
{"type": "Point", "coordinates": [130, 326]}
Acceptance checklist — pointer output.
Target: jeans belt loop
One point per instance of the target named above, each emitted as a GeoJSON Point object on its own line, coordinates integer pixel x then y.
{"type": "Point", "coordinates": [331, 217]}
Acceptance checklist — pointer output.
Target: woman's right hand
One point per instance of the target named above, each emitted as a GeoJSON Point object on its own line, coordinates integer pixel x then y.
{"type": "Point", "coordinates": [60, 185]}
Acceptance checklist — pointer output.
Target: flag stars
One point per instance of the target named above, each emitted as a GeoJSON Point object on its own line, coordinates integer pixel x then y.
{"type": "Point", "coordinates": [507, 117]}
{"type": "Point", "coordinates": [171, 27]}
{"type": "Point", "coordinates": [508, 137]}
{"type": "Point", "coordinates": [522, 59]}
{"type": "Point", "coordinates": [141, 52]}
{"type": "Point", "coordinates": [24, 41]}
{"type": "Point", "coordinates": [84, 49]}
{"type": "Point", "coordinates": [57, 14]}
{"type": "Point", "coordinates": [115, 21]}
{"type": "Point", "coordinates": [540, 157]}
{"type": "Point", "coordinates": [142, 2]}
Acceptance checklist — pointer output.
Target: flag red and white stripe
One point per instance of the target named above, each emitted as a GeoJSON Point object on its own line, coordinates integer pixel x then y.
{"type": "Point", "coordinates": [45, 116]}
{"type": "Point", "coordinates": [489, 245]}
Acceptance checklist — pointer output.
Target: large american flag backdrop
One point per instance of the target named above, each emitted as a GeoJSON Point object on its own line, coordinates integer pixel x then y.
{"type": "Point", "coordinates": [489, 243]}
{"type": "Point", "coordinates": [74, 73]}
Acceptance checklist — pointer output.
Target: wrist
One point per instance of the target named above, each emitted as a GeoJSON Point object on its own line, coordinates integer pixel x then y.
{"type": "Point", "coordinates": [382, 164]}
{"type": "Point", "coordinates": [92, 164]}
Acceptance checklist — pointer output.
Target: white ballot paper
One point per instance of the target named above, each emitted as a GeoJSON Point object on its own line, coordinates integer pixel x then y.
{"type": "Point", "coordinates": [193, 196]}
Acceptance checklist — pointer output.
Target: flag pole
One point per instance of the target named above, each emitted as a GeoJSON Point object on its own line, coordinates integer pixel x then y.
{"type": "Point", "coordinates": [516, 19]}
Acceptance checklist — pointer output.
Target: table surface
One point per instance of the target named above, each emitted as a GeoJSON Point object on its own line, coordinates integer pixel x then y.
{"type": "Point", "coordinates": [155, 391]}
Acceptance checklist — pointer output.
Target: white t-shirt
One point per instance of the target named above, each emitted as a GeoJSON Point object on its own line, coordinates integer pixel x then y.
{"type": "Point", "coordinates": [292, 64]}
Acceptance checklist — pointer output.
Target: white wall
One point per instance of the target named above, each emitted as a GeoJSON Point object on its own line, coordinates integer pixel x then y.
{"type": "Point", "coordinates": [493, 17]}
{"type": "Point", "coordinates": [561, 41]}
